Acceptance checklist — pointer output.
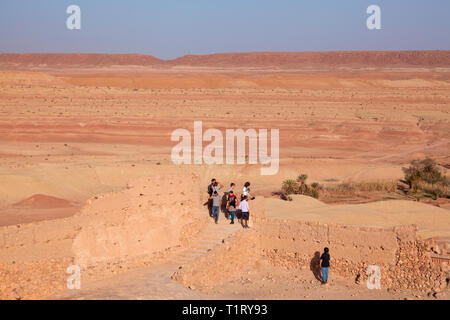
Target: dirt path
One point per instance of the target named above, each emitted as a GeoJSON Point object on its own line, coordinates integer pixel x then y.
{"type": "Point", "coordinates": [156, 282]}
{"type": "Point", "coordinates": [405, 153]}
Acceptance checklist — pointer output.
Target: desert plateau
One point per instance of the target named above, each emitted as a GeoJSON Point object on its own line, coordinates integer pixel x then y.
{"type": "Point", "coordinates": [87, 178]}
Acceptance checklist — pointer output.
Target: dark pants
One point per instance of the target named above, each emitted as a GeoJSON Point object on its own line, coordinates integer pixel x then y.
{"type": "Point", "coordinates": [210, 205]}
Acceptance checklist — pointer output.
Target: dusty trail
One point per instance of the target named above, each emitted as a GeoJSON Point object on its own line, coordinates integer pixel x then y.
{"type": "Point", "coordinates": [422, 148]}
{"type": "Point", "coordinates": [156, 282]}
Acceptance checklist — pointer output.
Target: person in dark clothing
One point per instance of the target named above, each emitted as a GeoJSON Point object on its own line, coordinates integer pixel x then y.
{"type": "Point", "coordinates": [210, 187]}
{"type": "Point", "coordinates": [231, 205]}
{"type": "Point", "coordinates": [325, 264]}
{"type": "Point", "coordinates": [225, 200]}
{"type": "Point", "coordinates": [210, 193]}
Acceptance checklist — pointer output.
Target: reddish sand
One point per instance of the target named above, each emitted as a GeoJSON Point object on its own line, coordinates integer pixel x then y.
{"type": "Point", "coordinates": [72, 132]}
{"type": "Point", "coordinates": [41, 201]}
{"type": "Point", "coordinates": [73, 127]}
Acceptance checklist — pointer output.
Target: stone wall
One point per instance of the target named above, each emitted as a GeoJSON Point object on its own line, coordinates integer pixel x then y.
{"type": "Point", "coordinates": [403, 258]}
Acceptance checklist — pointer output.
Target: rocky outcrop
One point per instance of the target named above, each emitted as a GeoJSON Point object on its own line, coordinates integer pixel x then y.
{"type": "Point", "coordinates": [114, 232]}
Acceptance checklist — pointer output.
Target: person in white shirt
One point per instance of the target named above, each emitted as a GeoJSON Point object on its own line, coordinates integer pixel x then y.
{"type": "Point", "coordinates": [245, 190]}
{"type": "Point", "coordinates": [243, 206]}
{"type": "Point", "coordinates": [216, 187]}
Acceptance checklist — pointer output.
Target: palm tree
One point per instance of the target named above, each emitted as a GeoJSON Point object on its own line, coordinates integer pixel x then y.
{"type": "Point", "coordinates": [302, 180]}
{"type": "Point", "coordinates": [289, 186]}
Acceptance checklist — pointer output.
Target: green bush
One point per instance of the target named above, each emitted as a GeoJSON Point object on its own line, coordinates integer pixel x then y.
{"type": "Point", "coordinates": [425, 176]}
{"type": "Point", "coordinates": [289, 186]}
{"type": "Point", "coordinates": [424, 170]}
{"type": "Point", "coordinates": [312, 193]}
{"type": "Point", "coordinates": [299, 186]}
{"type": "Point", "coordinates": [315, 185]}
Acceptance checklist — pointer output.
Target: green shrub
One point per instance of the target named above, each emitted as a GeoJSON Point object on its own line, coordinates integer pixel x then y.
{"type": "Point", "coordinates": [424, 170]}
{"type": "Point", "coordinates": [302, 178]}
{"type": "Point", "coordinates": [312, 193]}
{"type": "Point", "coordinates": [299, 186]}
{"type": "Point", "coordinates": [315, 185]}
{"type": "Point", "coordinates": [425, 176]}
{"type": "Point", "coordinates": [289, 186]}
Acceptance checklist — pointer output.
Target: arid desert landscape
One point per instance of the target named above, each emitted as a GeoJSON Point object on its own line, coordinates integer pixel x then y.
{"type": "Point", "coordinates": [87, 179]}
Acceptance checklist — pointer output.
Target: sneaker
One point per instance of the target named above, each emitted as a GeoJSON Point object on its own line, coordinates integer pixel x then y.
{"type": "Point", "coordinates": [232, 222]}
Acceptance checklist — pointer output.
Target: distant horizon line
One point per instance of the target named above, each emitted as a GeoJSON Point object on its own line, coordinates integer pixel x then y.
{"type": "Point", "coordinates": [221, 53]}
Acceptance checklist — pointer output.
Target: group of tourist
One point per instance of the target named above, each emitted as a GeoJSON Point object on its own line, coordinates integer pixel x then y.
{"type": "Point", "coordinates": [234, 207]}
{"type": "Point", "coordinates": [228, 203]}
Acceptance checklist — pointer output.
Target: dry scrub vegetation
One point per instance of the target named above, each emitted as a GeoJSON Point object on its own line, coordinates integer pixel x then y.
{"type": "Point", "coordinates": [423, 179]}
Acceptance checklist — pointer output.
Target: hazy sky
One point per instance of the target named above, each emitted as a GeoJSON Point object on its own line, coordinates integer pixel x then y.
{"type": "Point", "coordinates": [172, 28]}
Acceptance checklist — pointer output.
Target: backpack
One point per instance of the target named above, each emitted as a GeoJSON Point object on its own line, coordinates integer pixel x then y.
{"type": "Point", "coordinates": [233, 202]}
{"type": "Point", "coordinates": [210, 190]}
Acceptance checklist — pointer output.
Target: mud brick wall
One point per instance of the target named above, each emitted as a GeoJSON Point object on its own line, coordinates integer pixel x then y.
{"type": "Point", "coordinates": [403, 258]}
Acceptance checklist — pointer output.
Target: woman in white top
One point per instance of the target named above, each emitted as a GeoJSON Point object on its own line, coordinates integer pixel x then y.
{"type": "Point", "coordinates": [216, 187]}
{"type": "Point", "coordinates": [245, 190]}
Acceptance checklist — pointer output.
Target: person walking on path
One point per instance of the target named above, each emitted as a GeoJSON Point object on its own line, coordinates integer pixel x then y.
{"type": "Point", "coordinates": [325, 264]}
{"type": "Point", "coordinates": [232, 185]}
{"type": "Point", "coordinates": [245, 190]}
{"type": "Point", "coordinates": [225, 199]}
{"type": "Point", "coordinates": [217, 186]}
{"type": "Point", "coordinates": [210, 194]}
{"type": "Point", "coordinates": [243, 206]}
{"type": "Point", "coordinates": [215, 205]}
{"type": "Point", "coordinates": [249, 196]}
{"type": "Point", "coordinates": [231, 205]}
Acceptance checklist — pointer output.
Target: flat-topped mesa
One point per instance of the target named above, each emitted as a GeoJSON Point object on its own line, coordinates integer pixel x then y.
{"type": "Point", "coordinates": [77, 59]}
{"type": "Point", "coordinates": [306, 59]}
{"type": "Point", "coordinates": [430, 58]}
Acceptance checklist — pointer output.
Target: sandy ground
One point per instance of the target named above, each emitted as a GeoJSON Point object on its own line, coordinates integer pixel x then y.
{"type": "Point", "coordinates": [430, 220]}
{"type": "Point", "coordinates": [72, 136]}
{"type": "Point", "coordinates": [73, 133]}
